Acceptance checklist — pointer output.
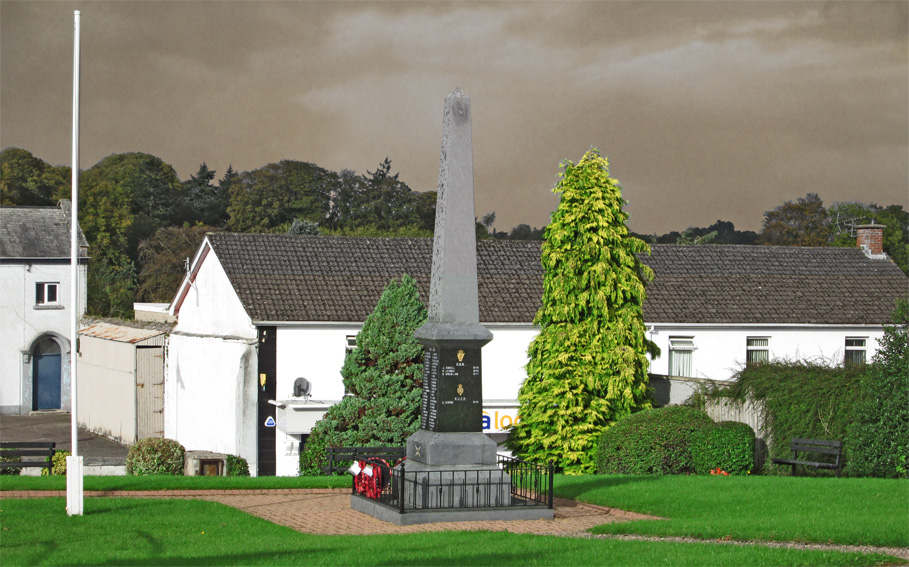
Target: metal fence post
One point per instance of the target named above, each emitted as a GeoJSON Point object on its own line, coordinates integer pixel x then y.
{"type": "Point", "coordinates": [551, 469]}
{"type": "Point", "coordinates": [402, 489]}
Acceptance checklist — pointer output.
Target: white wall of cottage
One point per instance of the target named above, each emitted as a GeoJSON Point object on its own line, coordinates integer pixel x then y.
{"type": "Point", "coordinates": [24, 323]}
{"type": "Point", "coordinates": [209, 388]}
{"type": "Point", "coordinates": [720, 350]}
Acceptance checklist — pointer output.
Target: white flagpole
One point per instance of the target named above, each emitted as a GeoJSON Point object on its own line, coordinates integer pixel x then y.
{"type": "Point", "coordinates": [74, 493]}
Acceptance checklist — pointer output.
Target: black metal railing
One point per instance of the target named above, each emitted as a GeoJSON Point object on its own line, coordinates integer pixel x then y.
{"type": "Point", "coordinates": [513, 483]}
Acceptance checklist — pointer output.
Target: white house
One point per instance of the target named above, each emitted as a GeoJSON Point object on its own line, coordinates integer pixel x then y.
{"type": "Point", "coordinates": [35, 309]}
{"type": "Point", "coordinates": [258, 311]}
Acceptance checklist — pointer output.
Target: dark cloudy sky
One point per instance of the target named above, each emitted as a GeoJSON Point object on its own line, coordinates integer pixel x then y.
{"type": "Point", "coordinates": [706, 110]}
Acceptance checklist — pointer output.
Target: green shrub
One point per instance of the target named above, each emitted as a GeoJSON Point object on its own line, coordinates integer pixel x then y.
{"type": "Point", "coordinates": [804, 399]}
{"type": "Point", "coordinates": [877, 443]}
{"type": "Point", "coordinates": [655, 441]}
{"type": "Point", "coordinates": [155, 456]}
{"type": "Point", "coordinates": [59, 461]}
{"type": "Point", "coordinates": [383, 377]}
{"type": "Point", "coordinates": [237, 466]}
{"type": "Point", "coordinates": [728, 446]}
{"type": "Point", "coordinates": [9, 471]}
{"type": "Point", "coordinates": [312, 456]}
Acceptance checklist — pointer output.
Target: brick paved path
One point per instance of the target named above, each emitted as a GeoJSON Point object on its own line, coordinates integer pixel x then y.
{"type": "Point", "coordinates": [328, 512]}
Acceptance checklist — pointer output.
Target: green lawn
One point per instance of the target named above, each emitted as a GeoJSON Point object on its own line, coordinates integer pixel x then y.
{"type": "Point", "coordinates": [855, 511]}
{"type": "Point", "coordinates": [175, 482]}
{"type": "Point", "coordinates": [122, 531]}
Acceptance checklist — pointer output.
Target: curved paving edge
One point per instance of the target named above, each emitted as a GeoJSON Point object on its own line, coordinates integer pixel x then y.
{"type": "Point", "coordinates": [900, 552]}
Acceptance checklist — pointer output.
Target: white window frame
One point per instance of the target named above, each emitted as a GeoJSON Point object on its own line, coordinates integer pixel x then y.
{"type": "Point", "coordinates": [41, 293]}
{"type": "Point", "coordinates": [349, 348]}
{"type": "Point", "coordinates": [681, 356]}
{"type": "Point", "coordinates": [753, 345]}
{"type": "Point", "coordinates": [852, 349]}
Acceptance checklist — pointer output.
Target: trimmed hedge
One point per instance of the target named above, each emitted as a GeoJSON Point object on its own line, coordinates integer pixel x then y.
{"type": "Point", "coordinates": [655, 441]}
{"type": "Point", "coordinates": [728, 446]}
{"type": "Point", "coordinates": [237, 466]}
{"type": "Point", "coordinates": [155, 456]}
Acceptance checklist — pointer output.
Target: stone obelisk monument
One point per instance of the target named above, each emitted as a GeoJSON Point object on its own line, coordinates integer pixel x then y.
{"type": "Point", "coordinates": [451, 471]}
{"type": "Point", "coordinates": [451, 424]}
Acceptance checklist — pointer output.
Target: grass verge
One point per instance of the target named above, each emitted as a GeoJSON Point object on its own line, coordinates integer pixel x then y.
{"type": "Point", "coordinates": [175, 482]}
{"type": "Point", "coordinates": [857, 511]}
{"type": "Point", "coordinates": [122, 531]}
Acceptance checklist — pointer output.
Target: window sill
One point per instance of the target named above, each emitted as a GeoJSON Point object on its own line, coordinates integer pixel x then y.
{"type": "Point", "coordinates": [46, 306]}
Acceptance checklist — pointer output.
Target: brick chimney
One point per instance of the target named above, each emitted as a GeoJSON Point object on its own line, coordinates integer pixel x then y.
{"type": "Point", "coordinates": [871, 239]}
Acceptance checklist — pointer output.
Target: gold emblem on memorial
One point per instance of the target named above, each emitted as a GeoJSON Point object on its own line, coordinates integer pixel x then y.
{"type": "Point", "coordinates": [461, 389]}
{"type": "Point", "coordinates": [460, 356]}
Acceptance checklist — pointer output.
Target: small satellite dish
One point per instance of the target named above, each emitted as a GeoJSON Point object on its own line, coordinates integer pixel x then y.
{"type": "Point", "coordinates": [302, 388]}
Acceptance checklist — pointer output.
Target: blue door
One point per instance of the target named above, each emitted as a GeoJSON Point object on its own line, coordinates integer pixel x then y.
{"type": "Point", "coordinates": [46, 371]}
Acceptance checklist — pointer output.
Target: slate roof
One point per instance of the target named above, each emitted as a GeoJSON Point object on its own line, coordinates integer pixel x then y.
{"type": "Point", "coordinates": [37, 233]}
{"type": "Point", "coordinates": [770, 284]}
{"type": "Point", "coordinates": [317, 278]}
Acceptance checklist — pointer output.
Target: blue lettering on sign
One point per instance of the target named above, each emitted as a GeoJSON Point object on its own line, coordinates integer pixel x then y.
{"type": "Point", "coordinates": [270, 422]}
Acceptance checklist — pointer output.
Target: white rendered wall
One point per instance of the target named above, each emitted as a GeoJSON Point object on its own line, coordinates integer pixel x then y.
{"type": "Point", "coordinates": [210, 399]}
{"type": "Point", "coordinates": [209, 389]}
{"type": "Point", "coordinates": [211, 306]}
{"type": "Point", "coordinates": [721, 350]}
{"type": "Point", "coordinates": [315, 352]}
{"type": "Point", "coordinates": [23, 323]}
{"type": "Point", "coordinates": [504, 359]}
{"type": "Point", "coordinates": [107, 388]}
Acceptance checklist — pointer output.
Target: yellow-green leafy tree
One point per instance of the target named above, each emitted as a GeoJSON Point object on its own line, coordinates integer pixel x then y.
{"type": "Point", "coordinates": [588, 365]}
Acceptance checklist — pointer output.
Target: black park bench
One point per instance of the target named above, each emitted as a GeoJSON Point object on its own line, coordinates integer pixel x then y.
{"type": "Point", "coordinates": [818, 447]}
{"type": "Point", "coordinates": [14, 454]}
{"type": "Point", "coordinates": [338, 458]}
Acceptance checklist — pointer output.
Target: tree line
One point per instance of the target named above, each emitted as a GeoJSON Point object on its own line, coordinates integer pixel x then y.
{"type": "Point", "coordinates": [142, 222]}
{"type": "Point", "coordinates": [806, 222]}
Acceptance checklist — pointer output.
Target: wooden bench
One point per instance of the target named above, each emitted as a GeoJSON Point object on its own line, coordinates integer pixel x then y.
{"type": "Point", "coordinates": [339, 458]}
{"type": "Point", "coordinates": [14, 453]}
{"type": "Point", "coordinates": [816, 446]}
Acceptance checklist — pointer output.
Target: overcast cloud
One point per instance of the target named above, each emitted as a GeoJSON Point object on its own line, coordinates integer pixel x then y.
{"type": "Point", "coordinates": [706, 110]}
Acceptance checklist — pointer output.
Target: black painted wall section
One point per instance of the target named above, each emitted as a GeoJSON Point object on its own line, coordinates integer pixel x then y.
{"type": "Point", "coordinates": [267, 391]}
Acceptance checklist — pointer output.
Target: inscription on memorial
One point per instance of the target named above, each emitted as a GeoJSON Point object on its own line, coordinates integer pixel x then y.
{"type": "Point", "coordinates": [452, 390]}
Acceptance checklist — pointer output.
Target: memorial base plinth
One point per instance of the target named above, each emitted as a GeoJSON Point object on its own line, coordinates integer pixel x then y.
{"type": "Point", "coordinates": [449, 486]}
{"type": "Point", "coordinates": [385, 513]}
{"type": "Point", "coordinates": [453, 477]}
{"type": "Point", "coordinates": [450, 449]}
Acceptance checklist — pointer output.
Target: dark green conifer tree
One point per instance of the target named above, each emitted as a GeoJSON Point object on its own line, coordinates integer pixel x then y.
{"type": "Point", "coordinates": [383, 378]}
